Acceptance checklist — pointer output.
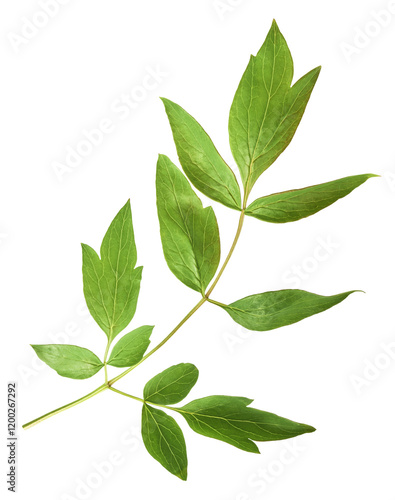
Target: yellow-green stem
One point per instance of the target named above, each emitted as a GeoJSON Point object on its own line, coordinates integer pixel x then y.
{"type": "Point", "coordinates": [151, 352]}
{"type": "Point", "coordinates": [236, 239]}
{"type": "Point", "coordinates": [105, 360]}
{"type": "Point", "coordinates": [65, 407]}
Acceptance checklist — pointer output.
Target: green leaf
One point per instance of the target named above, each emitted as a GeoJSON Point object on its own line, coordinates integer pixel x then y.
{"type": "Point", "coordinates": [189, 232]}
{"type": "Point", "coordinates": [130, 349]}
{"type": "Point", "coordinates": [199, 158]}
{"type": "Point", "coordinates": [118, 248]}
{"type": "Point", "coordinates": [171, 385]}
{"type": "Point", "coordinates": [69, 360]}
{"type": "Point", "coordinates": [111, 284]}
{"type": "Point", "coordinates": [270, 310]}
{"type": "Point", "coordinates": [266, 110]}
{"type": "Point", "coordinates": [229, 419]}
{"type": "Point", "coordinates": [164, 441]}
{"type": "Point", "coordinates": [290, 206]}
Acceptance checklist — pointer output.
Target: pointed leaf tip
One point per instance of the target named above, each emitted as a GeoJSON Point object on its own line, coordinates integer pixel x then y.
{"type": "Point", "coordinates": [274, 24]}
{"type": "Point", "coordinates": [309, 428]}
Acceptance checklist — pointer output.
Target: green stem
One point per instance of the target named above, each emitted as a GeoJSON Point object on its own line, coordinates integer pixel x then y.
{"type": "Point", "coordinates": [220, 304]}
{"type": "Point", "coordinates": [178, 410]}
{"type": "Point", "coordinates": [126, 394]}
{"type": "Point", "coordinates": [105, 359]}
{"type": "Point", "coordinates": [65, 407]}
{"type": "Point", "coordinates": [236, 239]}
{"type": "Point", "coordinates": [142, 400]}
{"type": "Point", "coordinates": [151, 352]}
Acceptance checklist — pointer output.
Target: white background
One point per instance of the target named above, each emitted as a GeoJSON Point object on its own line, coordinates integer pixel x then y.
{"type": "Point", "coordinates": [67, 77]}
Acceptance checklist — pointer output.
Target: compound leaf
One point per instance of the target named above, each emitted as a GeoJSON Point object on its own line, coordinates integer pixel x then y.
{"type": "Point", "coordinates": [171, 385]}
{"type": "Point", "coordinates": [290, 206]}
{"type": "Point", "coordinates": [266, 110]}
{"type": "Point", "coordinates": [199, 158]}
{"type": "Point", "coordinates": [164, 441]}
{"type": "Point", "coordinates": [69, 360]}
{"type": "Point", "coordinates": [111, 283]}
{"type": "Point", "coordinates": [130, 349]}
{"type": "Point", "coordinates": [189, 232]}
{"type": "Point", "coordinates": [229, 419]}
{"type": "Point", "coordinates": [270, 310]}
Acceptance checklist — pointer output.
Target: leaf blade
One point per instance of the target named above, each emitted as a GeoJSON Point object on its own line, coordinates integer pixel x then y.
{"type": "Point", "coordinates": [130, 349]}
{"type": "Point", "coordinates": [189, 232]}
{"type": "Point", "coordinates": [69, 361]}
{"type": "Point", "coordinates": [111, 283]}
{"type": "Point", "coordinates": [172, 385]}
{"type": "Point", "coordinates": [271, 310]}
{"type": "Point", "coordinates": [123, 253]}
{"type": "Point", "coordinates": [94, 285]}
{"type": "Point", "coordinates": [230, 419]}
{"type": "Point", "coordinates": [266, 110]}
{"type": "Point", "coordinates": [199, 158]}
{"type": "Point", "coordinates": [296, 204]}
{"type": "Point", "coordinates": [164, 440]}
